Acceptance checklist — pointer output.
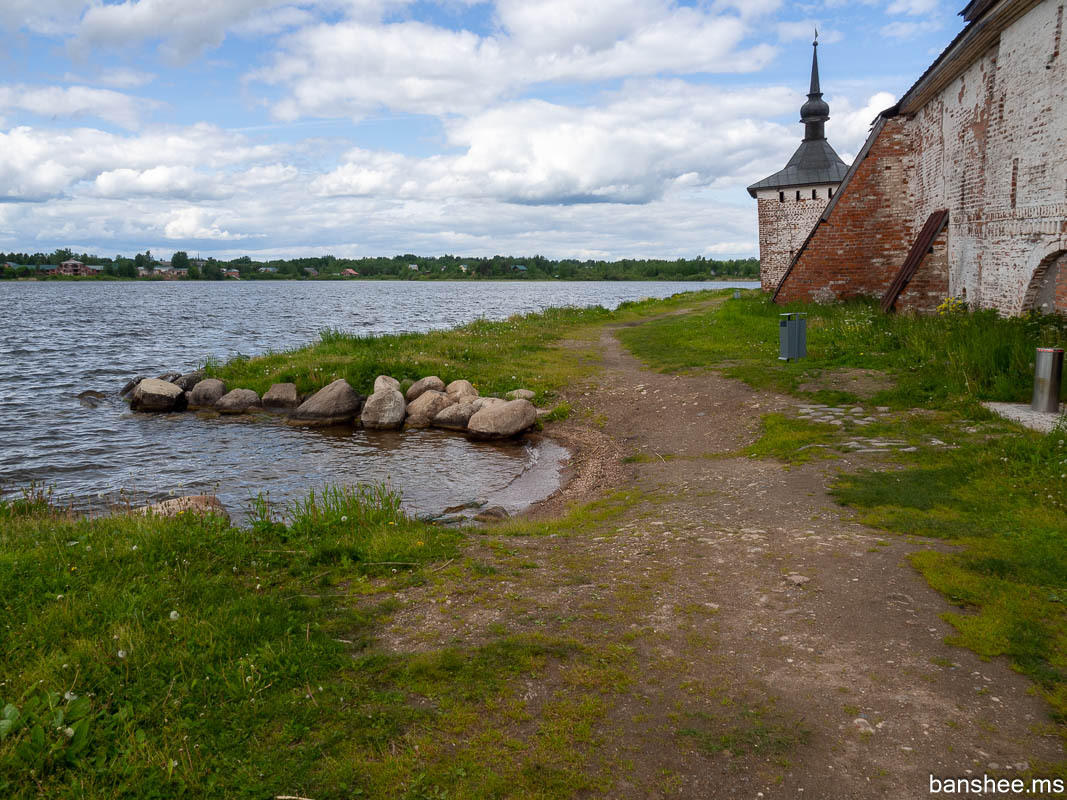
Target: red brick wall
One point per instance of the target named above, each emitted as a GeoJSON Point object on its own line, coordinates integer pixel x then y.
{"type": "Point", "coordinates": [929, 285]}
{"type": "Point", "coordinates": [858, 250]}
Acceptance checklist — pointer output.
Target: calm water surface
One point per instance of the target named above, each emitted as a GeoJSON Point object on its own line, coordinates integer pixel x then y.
{"type": "Point", "coordinates": [60, 339]}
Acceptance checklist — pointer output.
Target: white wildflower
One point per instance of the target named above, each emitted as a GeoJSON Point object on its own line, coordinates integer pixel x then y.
{"type": "Point", "coordinates": [174, 615]}
{"type": "Point", "coordinates": [121, 654]}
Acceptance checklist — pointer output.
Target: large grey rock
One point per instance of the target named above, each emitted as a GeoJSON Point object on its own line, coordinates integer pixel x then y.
{"type": "Point", "coordinates": [281, 395]}
{"type": "Point", "coordinates": [485, 402]}
{"type": "Point", "coordinates": [504, 420]}
{"type": "Point", "coordinates": [200, 504]}
{"type": "Point", "coordinates": [520, 394]}
{"type": "Point", "coordinates": [460, 389]}
{"type": "Point", "coordinates": [385, 382]}
{"type": "Point", "coordinates": [492, 514]}
{"type": "Point", "coordinates": [336, 404]}
{"type": "Point", "coordinates": [384, 410]}
{"type": "Point", "coordinates": [153, 394]}
{"type": "Point", "coordinates": [455, 417]}
{"type": "Point", "coordinates": [427, 406]}
{"type": "Point", "coordinates": [131, 385]}
{"type": "Point", "coordinates": [190, 379]}
{"type": "Point", "coordinates": [238, 401]}
{"type": "Point", "coordinates": [429, 383]}
{"type": "Point", "coordinates": [206, 393]}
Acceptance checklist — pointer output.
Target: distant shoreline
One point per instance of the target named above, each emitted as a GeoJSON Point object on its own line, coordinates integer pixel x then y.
{"type": "Point", "coordinates": [377, 278]}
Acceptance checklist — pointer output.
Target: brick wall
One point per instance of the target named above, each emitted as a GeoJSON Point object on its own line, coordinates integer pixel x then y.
{"type": "Point", "coordinates": [992, 148]}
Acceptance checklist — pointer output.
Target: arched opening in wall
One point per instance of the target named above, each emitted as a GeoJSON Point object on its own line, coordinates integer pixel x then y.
{"type": "Point", "coordinates": [830, 193]}
{"type": "Point", "coordinates": [1047, 293]}
{"type": "Point", "coordinates": [798, 194]}
{"type": "Point", "coordinates": [781, 197]}
{"type": "Point", "coordinates": [814, 194]}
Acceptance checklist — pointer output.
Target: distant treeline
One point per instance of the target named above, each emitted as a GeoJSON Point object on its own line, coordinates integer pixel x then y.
{"type": "Point", "coordinates": [407, 266]}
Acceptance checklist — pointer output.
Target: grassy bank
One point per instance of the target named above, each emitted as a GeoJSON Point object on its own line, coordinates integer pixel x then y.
{"type": "Point", "coordinates": [994, 489]}
{"type": "Point", "coordinates": [496, 356]}
{"type": "Point", "coordinates": [146, 657]}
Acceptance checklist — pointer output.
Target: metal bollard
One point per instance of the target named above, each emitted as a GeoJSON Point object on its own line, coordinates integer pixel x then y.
{"type": "Point", "coordinates": [792, 336]}
{"type": "Point", "coordinates": [737, 294]}
{"type": "Point", "coordinates": [1048, 369]}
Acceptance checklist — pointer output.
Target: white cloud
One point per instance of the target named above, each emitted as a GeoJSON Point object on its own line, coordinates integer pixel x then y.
{"type": "Point", "coordinates": [43, 164]}
{"type": "Point", "coordinates": [648, 138]}
{"type": "Point", "coordinates": [914, 7]}
{"type": "Point", "coordinates": [49, 17]}
{"type": "Point", "coordinates": [74, 101]}
{"type": "Point", "coordinates": [197, 224]}
{"type": "Point", "coordinates": [353, 68]}
{"type": "Point", "coordinates": [849, 126]}
{"type": "Point", "coordinates": [902, 30]}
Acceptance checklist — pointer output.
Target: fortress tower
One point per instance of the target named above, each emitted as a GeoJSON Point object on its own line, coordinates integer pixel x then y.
{"type": "Point", "coordinates": [792, 199]}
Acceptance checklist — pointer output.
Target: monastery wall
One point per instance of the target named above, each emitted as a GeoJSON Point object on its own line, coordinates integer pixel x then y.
{"type": "Point", "coordinates": [991, 148]}
{"type": "Point", "coordinates": [783, 227]}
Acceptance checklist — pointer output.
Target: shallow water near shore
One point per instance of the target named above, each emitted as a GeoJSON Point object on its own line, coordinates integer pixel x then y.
{"type": "Point", "coordinates": [63, 338]}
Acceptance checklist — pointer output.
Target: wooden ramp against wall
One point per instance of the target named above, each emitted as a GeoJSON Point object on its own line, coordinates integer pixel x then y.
{"type": "Point", "coordinates": [934, 225]}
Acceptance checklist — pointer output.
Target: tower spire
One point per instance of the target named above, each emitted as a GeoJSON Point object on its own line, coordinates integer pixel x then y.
{"type": "Point", "coordinates": [815, 112]}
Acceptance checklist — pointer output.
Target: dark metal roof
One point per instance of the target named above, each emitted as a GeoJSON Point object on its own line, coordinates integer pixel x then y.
{"type": "Point", "coordinates": [814, 162]}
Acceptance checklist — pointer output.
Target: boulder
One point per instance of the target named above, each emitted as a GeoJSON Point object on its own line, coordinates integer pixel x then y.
{"type": "Point", "coordinates": [156, 395]}
{"type": "Point", "coordinates": [454, 417]}
{"type": "Point", "coordinates": [460, 389]}
{"type": "Point", "coordinates": [201, 504]}
{"type": "Point", "coordinates": [492, 514]}
{"type": "Point", "coordinates": [170, 377]}
{"type": "Point", "coordinates": [385, 382]}
{"type": "Point", "coordinates": [238, 401]}
{"type": "Point", "coordinates": [281, 395]}
{"type": "Point", "coordinates": [206, 393]}
{"type": "Point", "coordinates": [384, 410]}
{"type": "Point", "coordinates": [335, 404]}
{"type": "Point", "coordinates": [429, 383]}
{"type": "Point", "coordinates": [427, 406]}
{"type": "Point", "coordinates": [520, 394]}
{"type": "Point", "coordinates": [190, 379]}
{"type": "Point", "coordinates": [131, 385]}
{"type": "Point", "coordinates": [485, 402]}
{"type": "Point", "coordinates": [503, 420]}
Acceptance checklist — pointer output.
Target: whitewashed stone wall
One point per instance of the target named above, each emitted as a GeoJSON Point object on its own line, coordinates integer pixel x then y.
{"type": "Point", "coordinates": [992, 148]}
{"type": "Point", "coordinates": [784, 225]}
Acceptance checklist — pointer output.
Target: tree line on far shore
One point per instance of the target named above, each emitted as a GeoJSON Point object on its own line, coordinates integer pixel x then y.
{"type": "Point", "coordinates": [407, 267]}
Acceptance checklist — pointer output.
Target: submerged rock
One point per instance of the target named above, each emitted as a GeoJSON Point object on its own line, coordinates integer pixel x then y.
{"type": "Point", "coordinates": [335, 404]}
{"type": "Point", "coordinates": [384, 410]}
{"type": "Point", "coordinates": [492, 514]}
{"type": "Point", "coordinates": [238, 401]}
{"type": "Point", "coordinates": [429, 383]}
{"type": "Point", "coordinates": [501, 421]}
{"type": "Point", "coordinates": [454, 417]}
{"type": "Point", "coordinates": [281, 396]}
{"type": "Point", "coordinates": [206, 393]}
{"type": "Point", "coordinates": [200, 504]}
{"type": "Point", "coordinates": [152, 394]}
{"type": "Point", "coordinates": [91, 398]}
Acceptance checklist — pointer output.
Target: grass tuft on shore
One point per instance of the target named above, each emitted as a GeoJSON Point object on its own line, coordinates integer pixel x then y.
{"type": "Point", "coordinates": [496, 356]}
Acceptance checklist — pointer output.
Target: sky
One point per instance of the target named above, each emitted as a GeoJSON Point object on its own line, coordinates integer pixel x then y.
{"type": "Point", "coordinates": [601, 129]}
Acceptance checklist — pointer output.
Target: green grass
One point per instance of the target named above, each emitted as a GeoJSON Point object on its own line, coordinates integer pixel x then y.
{"type": "Point", "coordinates": [496, 356]}
{"type": "Point", "coordinates": [934, 361]}
{"type": "Point", "coordinates": [1004, 501]}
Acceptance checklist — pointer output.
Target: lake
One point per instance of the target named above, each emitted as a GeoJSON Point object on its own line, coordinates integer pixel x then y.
{"type": "Point", "coordinates": [63, 338]}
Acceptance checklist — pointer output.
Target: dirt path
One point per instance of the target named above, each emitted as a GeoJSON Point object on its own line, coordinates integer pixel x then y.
{"type": "Point", "coordinates": [772, 646]}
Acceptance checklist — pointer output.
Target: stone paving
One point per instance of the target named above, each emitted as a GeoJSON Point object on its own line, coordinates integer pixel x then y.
{"type": "Point", "coordinates": [1043, 422]}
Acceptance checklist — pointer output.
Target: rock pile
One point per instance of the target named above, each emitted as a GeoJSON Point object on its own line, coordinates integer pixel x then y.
{"type": "Point", "coordinates": [428, 402]}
